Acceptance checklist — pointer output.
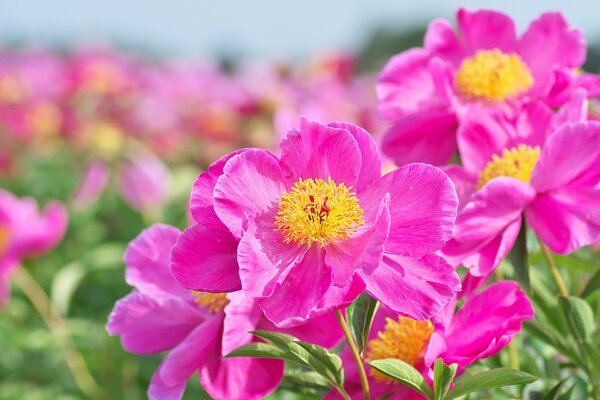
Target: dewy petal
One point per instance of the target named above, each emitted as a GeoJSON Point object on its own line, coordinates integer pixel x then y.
{"type": "Point", "coordinates": [550, 43]}
{"type": "Point", "coordinates": [320, 151]}
{"type": "Point", "coordinates": [252, 182]}
{"type": "Point", "coordinates": [370, 168]}
{"type": "Point", "coordinates": [147, 260]}
{"type": "Point", "coordinates": [486, 323]}
{"type": "Point", "coordinates": [406, 84]}
{"type": "Point", "coordinates": [417, 288]}
{"type": "Point", "coordinates": [242, 315]}
{"type": "Point", "coordinates": [486, 29]}
{"type": "Point", "coordinates": [241, 377]}
{"type": "Point", "coordinates": [149, 325]}
{"type": "Point", "coordinates": [205, 259]}
{"type": "Point", "coordinates": [295, 299]}
{"type": "Point", "coordinates": [568, 153]}
{"type": "Point", "coordinates": [440, 40]}
{"type": "Point", "coordinates": [428, 137]}
{"type": "Point", "coordinates": [422, 208]}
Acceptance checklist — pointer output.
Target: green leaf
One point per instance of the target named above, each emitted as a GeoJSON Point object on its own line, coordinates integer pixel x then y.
{"type": "Point", "coordinates": [518, 257]}
{"type": "Point", "coordinates": [580, 317]}
{"type": "Point", "coordinates": [553, 394]}
{"type": "Point", "coordinates": [360, 317]}
{"type": "Point", "coordinates": [321, 360]}
{"type": "Point", "coordinates": [592, 355]}
{"type": "Point", "coordinates": [493, 378]}
{"type": "Point", "coordinates": [550, 336]}
{"type": "Point", "coordinates": [65, 284]}
{"type": "Point", "coordinates": [307, 379]}
{"type": "Point", "coordinates": [259, 350]}
{"type": "Point", "coordinates": [592, 285]}
{"type": "Point", "coordinates": [278, 339]}
{"type": "Point", "coordinates": [442, 378]}
{"type": "Point", "coordinates": [405, 373]}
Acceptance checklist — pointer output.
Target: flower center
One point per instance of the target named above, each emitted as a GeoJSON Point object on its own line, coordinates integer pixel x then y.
{"type": "Point", "coordinates": [315, 211]}
{"type": "Point", "coordinates": [404, 339]}
{"type": "Point", "coordinates": [493, 75]}
{"type": "Point", "coordinates": [214, 302]}
{"type": "Point", "coordinates": [517, 162]}
{"type": "Point", "coordinates": [4, 239]}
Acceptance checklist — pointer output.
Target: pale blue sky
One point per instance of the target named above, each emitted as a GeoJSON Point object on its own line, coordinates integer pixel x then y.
{"type": "Point", "coordinates": [252, 28]}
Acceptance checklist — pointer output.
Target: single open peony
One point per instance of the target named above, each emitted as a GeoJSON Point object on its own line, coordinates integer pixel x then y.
{"type": "Point", "coordinates": [25, 232]}
{"type": "Point", "coordinates": [197, 329]}
{"type": "Point", "coordinates": [482, 327]}
{"type": "Point", "coordinates": [306, 232]}
{"type": "Point", "coordinates": [426, 92]}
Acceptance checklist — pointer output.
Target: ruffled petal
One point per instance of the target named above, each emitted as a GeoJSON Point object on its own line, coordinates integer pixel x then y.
{"type": "Point", "coordinates": [205, 259]}
{"type": "Point", "coordinates": [486, 29]}
{"type": "Point", "coordinates": [428, 137]}
{"type": "Point", "coordinates": [147, 260]}
{"type": "Point", "coordinates": [441, 40]}
{"type": "Point", "coordinates": [422, 208]}
{"type": "Point", "coordinates": [242, 316]}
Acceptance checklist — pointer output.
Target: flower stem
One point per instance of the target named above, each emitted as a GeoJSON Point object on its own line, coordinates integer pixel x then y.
{"type": "Point", "coordinates": [554, 270]}
{"type": "Point", "coordinates": [359, 362]}
{"type": "Point", "coordinates": [56, 325]}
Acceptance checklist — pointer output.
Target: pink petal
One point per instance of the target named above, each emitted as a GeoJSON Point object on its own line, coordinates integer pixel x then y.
{"type": "Point", "coordinates": [370, 168]}
{"type": "Point", "coordinates": [147, 260]}
{"type": "Point", "coordinates": [321, 151]}
{"type": "Point", "coordinates": [143, 181]}
{"type": "Point", "coordinates": [486, 29]}
{"type": "Point", "coordinates": [422, 208]}
{"type": "Point", "coordinates": [406, 85]}
{"type": "Point", "coordinates": [573, 111]}
{"type": "Point", "coordinates": [251, 184]}
{"type": "Point", "coordinates": [417, 288]}
{"type": "Point", "coordinates": [550, 43]}
{"type": "Point", "coordinates": [159, 390]}
{"type": "Point", "coordinates": [205, 259]}
{"type": "Point", "coordinates": [323, 330]}
{"type": "Point", "coordinates": [92, 184]}
{"type": "Point", "coordinates": [568, 153]}
{"type": "Point", "coordinates": [465, 183]}
{"type": "Point", "coordinates": [149, 325]}
{"type": "Point", "coordinates": [299, 295]}
{"type": "Point", "coordinates": [428, 136]}
{"type": "Point", "coordinates": [242, 316]}
{"type": "Point", "coordinates": [241, 377]}
{"type": "Point", "coordinates": [440, 40]}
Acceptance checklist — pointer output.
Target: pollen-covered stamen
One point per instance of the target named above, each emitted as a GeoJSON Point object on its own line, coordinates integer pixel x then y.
{"type": "Point", "coordinates": [214, 302]}
{"type": "Point", "coordinates": [493, 75]}
{"type": "Point", "coordinates": [517, 162]}
{"type": "Point", "coordinates": [318, 211]}
{"type": "Point", "coordinates": [404, 339]}
{"type": "Point", "coordinates": [4, 239]}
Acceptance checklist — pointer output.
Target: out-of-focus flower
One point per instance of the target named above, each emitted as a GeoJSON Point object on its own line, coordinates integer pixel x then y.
{"type": "Point", "coordinates": [25, 232]}
{"type": "Point", "coordinates": [305, 233]}
{"type": "Point", "coordinates": [197, 329]}
{"type": "Point", "coordinates": [426, 91]}
{"type": "Point", "coordinates": [483, 326]}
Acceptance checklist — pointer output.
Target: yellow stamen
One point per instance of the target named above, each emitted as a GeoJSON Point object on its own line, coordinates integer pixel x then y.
{"type": "Point", "coordinates": [315, 211]}
{"type": "Point", "coordinates": [493, 75]}
{"type": "Point", "coordinates": [4, 239]}
{"type": "Point", "coordinates": [517, 162]}
{"type": "Point", "coordinates": [214, 302]}
{"type": "Point", "coordinates": [404, 339]}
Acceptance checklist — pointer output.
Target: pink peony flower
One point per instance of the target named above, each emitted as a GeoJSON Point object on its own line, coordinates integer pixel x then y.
{"type": "Point", "coordinates": [480, 329]}
{"type": "Point", "coordinates": [526, 167]}
{"type": "Point", "coordinates": [24, 232]}
{"type": "Point", "coordinates": [426, 91]}
{"type": "Point", "coordinates": [305, 233]}
{"type": "Point", "coordinates": [143, 181]}
{"type": "Point", "coordinates": [197, 329]}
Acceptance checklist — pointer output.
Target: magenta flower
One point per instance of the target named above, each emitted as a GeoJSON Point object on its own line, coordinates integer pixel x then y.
{"type": "Point", "coordinates": [426, 91]}
{"type": "Point", "coordinates": [480, 329]}
{"type": "Point", "coordinates": [197, 329]}
{"type": "Point", "coordinates": [514, 168]}
{"type": "Point", "coordinates": [307, 232]}
{"type": "Point", "coordinates": [24, 232]}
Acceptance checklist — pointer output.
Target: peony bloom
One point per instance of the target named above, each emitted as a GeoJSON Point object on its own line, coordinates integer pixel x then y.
{"type": "Point", "coordinates": [24, 232]}
{"type": "Point", "coordinates": [306, 232]}
{"type": "Point", "coordinates": [481, 328]}
{"type": "Point", "coordinates": [197, 329]}
{"type": "Point", "coordinates": [427, 91]}
{"type": "Point", "coordinates": [550, 175]}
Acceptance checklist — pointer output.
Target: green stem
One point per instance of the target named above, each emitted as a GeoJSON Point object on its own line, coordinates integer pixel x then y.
{"type": "Point", "coordinates": [359, 362]}
{"type": "Point", "coordinates": [40, 301]}
{"type": "Point", "coordinates": [554, 270]}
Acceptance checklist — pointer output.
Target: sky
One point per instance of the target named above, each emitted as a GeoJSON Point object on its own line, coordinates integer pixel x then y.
{"type": "Point", "coordinates": [253, 29]}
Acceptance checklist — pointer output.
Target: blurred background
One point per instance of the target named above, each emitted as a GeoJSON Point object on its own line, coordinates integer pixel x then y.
{"type": "Point", "coordinates": [114, 108]}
